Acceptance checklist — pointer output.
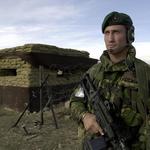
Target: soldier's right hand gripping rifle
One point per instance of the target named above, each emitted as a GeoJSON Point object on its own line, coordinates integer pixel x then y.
{"type": "Point", "coordinates": [112, 135]}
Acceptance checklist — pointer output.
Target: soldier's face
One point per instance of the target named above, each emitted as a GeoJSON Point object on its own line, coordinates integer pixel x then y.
{"type": "Point", "coordinates": [115, 38]}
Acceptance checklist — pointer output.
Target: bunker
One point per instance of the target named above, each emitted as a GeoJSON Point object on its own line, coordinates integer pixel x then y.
{"type": "Point", "coordinates": [24, 70]}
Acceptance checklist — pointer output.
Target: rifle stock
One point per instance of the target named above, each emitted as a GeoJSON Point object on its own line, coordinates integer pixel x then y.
{"type": "Point", "coordinates": [104, 119]}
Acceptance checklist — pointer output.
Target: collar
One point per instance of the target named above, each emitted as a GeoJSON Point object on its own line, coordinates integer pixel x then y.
{"type": "Point", "coordinates": [123, 65]}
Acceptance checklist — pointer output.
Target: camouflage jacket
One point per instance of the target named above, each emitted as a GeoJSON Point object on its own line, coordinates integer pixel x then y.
{"type": "Point", "coordinates": [119, 85]}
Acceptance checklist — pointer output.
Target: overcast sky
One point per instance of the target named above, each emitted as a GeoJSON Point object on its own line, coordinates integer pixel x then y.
{"type": "Point", "coordinates": [72, 24]}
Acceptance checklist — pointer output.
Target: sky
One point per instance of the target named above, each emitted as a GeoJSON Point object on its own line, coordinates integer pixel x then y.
{"type": "Point", "coordinates": [74, 24]}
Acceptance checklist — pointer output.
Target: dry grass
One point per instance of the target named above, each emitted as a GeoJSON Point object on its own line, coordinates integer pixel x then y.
{"type": "Point", "coordinates": [45, 137]}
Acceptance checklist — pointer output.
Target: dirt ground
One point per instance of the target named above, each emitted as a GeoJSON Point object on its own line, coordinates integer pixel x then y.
{"type": "Point", "coordinates": [30, 135]}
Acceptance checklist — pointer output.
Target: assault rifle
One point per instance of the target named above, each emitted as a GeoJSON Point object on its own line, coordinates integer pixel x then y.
{"type": "Point", "coordinates": [112, 134]}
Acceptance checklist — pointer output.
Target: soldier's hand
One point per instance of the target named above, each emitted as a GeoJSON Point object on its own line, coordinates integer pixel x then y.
{"type": "Point", "coordinates": [91, 124]}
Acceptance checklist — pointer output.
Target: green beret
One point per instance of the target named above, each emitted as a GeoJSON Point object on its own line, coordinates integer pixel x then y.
{"type": "Point", "coordinates": [116, 18]}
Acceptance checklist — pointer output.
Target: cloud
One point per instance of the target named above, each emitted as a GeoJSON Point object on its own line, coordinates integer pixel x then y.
{"type": "Point", "coordinates": [69, 24]}
{"type": "Point", "coordinates": [44, 21]}
{"type": "Point", "coordinates": [36, 12]}
{"type": "Point", "coordinates": [143, 50]}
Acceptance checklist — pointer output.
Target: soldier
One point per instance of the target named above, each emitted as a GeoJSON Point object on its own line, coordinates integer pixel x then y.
{"type": "Point", "coordinates": [124, 81]}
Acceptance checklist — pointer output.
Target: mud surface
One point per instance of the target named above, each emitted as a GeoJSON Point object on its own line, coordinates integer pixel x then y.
{"type": "Point", "coordinates": [29, 134]}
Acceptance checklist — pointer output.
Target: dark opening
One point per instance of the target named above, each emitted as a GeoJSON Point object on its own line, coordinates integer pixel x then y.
{"type": "Point", "coordinates": [8, 72]}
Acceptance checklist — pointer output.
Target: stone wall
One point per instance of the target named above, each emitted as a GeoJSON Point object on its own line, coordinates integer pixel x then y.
{"type": "Point", "coordinates": [20, 73]}
{"type": "Point", "coordinates": [28, 75]}
{"type": "Point", "coordinates": [18, 78]}
{"type": "Point", "coordinates": [22, 68]}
